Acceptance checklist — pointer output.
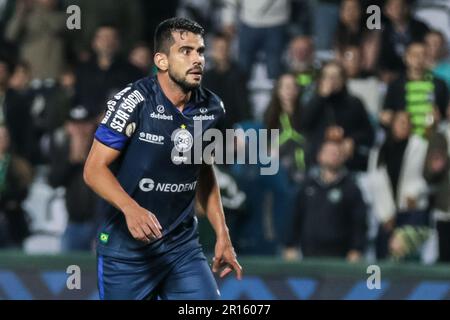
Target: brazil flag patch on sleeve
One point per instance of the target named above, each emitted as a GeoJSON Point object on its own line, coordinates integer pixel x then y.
{"type": "Point", "coordinates": [104, 237]}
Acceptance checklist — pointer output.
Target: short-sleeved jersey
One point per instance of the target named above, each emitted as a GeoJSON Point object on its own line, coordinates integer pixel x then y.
{"type": "Point", "coordinates": [154, 138]}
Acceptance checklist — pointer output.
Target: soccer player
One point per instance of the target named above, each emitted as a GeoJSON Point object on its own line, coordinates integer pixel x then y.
{"type": "Point", "coordinates": [148, 245]}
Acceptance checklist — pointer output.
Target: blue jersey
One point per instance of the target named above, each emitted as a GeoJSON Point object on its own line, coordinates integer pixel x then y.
{"type": "Point", "coordinates": [146, 127]}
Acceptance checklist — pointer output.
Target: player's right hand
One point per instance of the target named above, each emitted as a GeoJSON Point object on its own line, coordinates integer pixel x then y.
{"type": "Point", "coordinates": [142, 224]}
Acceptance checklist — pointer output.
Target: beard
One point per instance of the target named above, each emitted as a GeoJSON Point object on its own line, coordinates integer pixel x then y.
{"type": "Point", "coordinates": [183, 83]}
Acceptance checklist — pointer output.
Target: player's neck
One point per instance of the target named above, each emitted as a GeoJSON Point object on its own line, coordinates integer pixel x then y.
{"type": "Point", "coordinates": [173, 92]}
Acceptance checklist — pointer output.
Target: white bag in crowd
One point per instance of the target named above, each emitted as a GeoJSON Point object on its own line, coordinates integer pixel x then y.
{"type": "Point", "coordinates": [380, 193]}
{"type": "Point", "coordinates": [47, 210]}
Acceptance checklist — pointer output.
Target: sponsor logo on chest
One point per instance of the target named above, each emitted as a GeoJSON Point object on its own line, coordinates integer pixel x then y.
{"type": "Point", "coordinates": [151, 138]}
{"type": "Point", "coordinates": [160, 114]}
{"type": "Point", "coordinates": [204, 116]}
{"type": "Point", "coordinates": [148, 185]}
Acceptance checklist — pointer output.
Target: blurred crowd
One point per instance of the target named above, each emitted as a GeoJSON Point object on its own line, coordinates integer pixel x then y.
{"type": "Point", "coordinates": [363, 114]}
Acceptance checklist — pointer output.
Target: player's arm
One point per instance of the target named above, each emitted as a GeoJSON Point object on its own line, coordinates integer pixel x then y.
{"type": "Point", "coordinates": [208, 195]}
{"type": "Point", "coordinates": [141, 223]}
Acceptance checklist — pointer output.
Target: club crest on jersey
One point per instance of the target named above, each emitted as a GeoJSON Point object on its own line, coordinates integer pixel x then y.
{"type": "Point", "coordinates": [183, 140]}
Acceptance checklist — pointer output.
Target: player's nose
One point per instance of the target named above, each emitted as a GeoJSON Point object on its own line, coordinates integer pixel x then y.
{"type": "Point", "coordinates": [198, 59]}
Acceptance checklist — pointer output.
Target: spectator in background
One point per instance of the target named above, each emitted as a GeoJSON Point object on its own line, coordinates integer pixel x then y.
{"type": "Point", "coordinates": [283, 114]}
{"type": "Point", "coordinates": [334, 112]}
{"type": "Point", "coordinates": [360, 83]}
{"type": "Point", "coordinates": [127, 15]}
{"type": "Point", "coordinates": [262, 28]}
{"type": "Point", "coordinates": [46, 103]}
{"type": "Point", "coordinates": [330, 215]}
{"type": "Point", "coordinates": [15, 108]}
{"type": "Point", "coordinates": [60, 100]}
{"type": "Point", "coordinates": [141, 57]}
{"type": "Point", "coordinates": [437, 55]}
{"type": "Point", "coordinates": [15, 178]}
{"type": "Point", "coordinates": [70, 147]}
{"type": "Point", "coordinates": [352, 31]}
{"type": "Point", "coordinates": [253, 230]}
{"type": "Point", "coordinates": [261, 229]}
{"type": "Point", "coordinates": [400, 30]}
{"type": "Point", "coordinates": [350, 28]}
{"type": "Point", "coordinates": [437, 174]}
{"type": "Point", "coordinates": [37, 28]}
{"type": "Point", "coordinates": [227, 81]}
{"type": "Point", "coordinates": [422, 95]}
{"type": "Point", "coordinates": [403, 157]}
{"type": "Point", "coordinates": [50, 109]}
{"type": "Point", "coordinates": [105, 73]}
{"type": "Point", "coordinates": [326, 16]}
{"type": "Point", "coordinates": [300, 60]}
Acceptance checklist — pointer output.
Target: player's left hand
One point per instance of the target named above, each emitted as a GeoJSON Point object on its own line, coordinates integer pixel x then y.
{"type": "Point", "coordinates": [225, 259]}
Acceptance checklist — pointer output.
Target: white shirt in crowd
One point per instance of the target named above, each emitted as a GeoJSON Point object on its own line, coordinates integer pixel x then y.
{"type": "Point", "coordinates": [256, 13]}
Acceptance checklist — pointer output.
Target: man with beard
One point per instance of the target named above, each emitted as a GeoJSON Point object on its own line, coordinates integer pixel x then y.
{"type": "Point", "coordinates": [148, 244]}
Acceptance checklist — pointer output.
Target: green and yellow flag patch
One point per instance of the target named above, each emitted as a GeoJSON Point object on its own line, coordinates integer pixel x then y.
{"type": "Point", "coordinates": [104, 237]}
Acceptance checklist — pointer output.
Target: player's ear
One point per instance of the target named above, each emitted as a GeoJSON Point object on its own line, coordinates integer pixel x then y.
{"type": "Point", "coordinates": [161, 61]}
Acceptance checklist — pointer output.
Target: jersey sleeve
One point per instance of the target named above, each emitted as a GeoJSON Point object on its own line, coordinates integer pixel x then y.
{"type": "Point", "coordinates": [121, 118]}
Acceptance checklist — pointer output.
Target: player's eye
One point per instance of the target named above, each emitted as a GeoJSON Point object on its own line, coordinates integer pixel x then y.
{"type": "Point", "coordinates": [185, 51]}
